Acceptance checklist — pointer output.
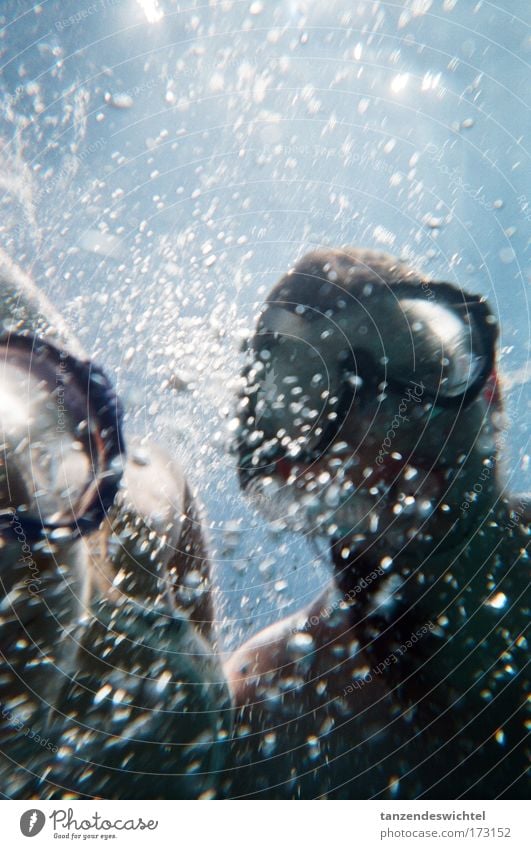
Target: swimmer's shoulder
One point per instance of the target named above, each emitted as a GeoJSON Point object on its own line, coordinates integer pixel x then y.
{"type": "Point", "coordinates": [274, 651]}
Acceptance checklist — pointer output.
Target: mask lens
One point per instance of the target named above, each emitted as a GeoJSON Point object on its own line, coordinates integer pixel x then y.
{"type": "Point", "coordinates": [59, 459]}
{"type": "Point", "coordinates": [447, 352]}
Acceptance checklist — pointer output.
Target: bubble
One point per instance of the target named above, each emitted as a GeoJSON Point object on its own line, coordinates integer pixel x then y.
{"type": "Point", "coordinates": [394, 785]}
{"type": "Point", "coordinates": [507, 255]}
{"type": "Point", "coordinates": [102, 693]}
{"type": "Point", "coordinates": [60, 534]}
{"type": "Point", "coordinates": [314, 747]}
{"type": "Point", "coordinates": [497, 602]}
{"type": "Point", "coordinates": [500, 736]}
{"type": "Point", "coordinates": [399, 83]}
{"type": "Point", "coordinates": [424, 507]}
{"type": "Point", "coordinates": [433, 222]}
{"type": "Point", "coordinates": [120, 100]}
{"type": "Point", "coordinates": [269, 744]}
{"type": "Point", "coordinates": [163, 680]}
{"type": "Point", "coordinates": [300, 643]}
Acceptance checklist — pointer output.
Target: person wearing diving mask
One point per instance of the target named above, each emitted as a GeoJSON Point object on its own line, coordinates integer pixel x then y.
{"type": "Point", "coordinates": [110, 671]}
{"type": "Point", "coordinates": [370, 416]}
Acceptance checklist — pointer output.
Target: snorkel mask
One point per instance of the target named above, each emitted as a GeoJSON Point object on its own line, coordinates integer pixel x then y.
{"type": "Point", "coordinates": [60, 441]}
{"type": "Point", "coordinates": [336, 331]}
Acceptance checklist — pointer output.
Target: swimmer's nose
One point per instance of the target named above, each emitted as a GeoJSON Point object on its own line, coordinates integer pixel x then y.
{"type": "Point", "coordinates": [61, 443]}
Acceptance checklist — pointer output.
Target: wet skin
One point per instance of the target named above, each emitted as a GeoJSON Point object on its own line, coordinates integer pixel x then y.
{"type": "Point", "coordinates": [407, 678]}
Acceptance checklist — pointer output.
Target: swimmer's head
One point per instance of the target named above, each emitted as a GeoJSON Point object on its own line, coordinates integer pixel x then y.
{"type": "Point", "coordinates": [370, 403]}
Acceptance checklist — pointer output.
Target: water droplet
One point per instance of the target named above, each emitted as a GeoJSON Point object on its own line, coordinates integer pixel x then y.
{"type": "Point", "coordinates": [269, 744]}
{"type": "Point", "coordinates": [433, 222]}
{"type": "Point", "coordinates": [120, 100]}
{"type": "Point", "coordinates": [507, 255]}
{"type": "Point", "coordinates": [497, 601]}
{"type": "Point", "coordinates": [60, 534]}
{"type": "Point", "coordinates": [399, 83]}
{"type": "Point", "coordinates": [163, 680]}
{"type": "Point", "coordinates": [102, 693]}
{"type": "Point", "coordinates": [300, 643]}
{"type": "Point", "coordinates": [394, 784]}
{"type": "Point", "coordinates": [313, 745]}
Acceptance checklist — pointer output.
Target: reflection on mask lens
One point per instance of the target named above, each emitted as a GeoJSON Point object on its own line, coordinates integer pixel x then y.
{"type": "Point", "coordinates": [44, 464]}
{"type": "Point", "coordinates": [60, 440]}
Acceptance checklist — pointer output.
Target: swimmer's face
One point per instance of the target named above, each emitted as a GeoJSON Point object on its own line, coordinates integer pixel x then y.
{"type": "Point", "coordinates": [368, 402]}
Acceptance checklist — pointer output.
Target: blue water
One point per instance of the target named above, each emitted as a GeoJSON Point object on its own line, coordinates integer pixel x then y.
{"type": "Point", "coordinates": [163, 163]}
